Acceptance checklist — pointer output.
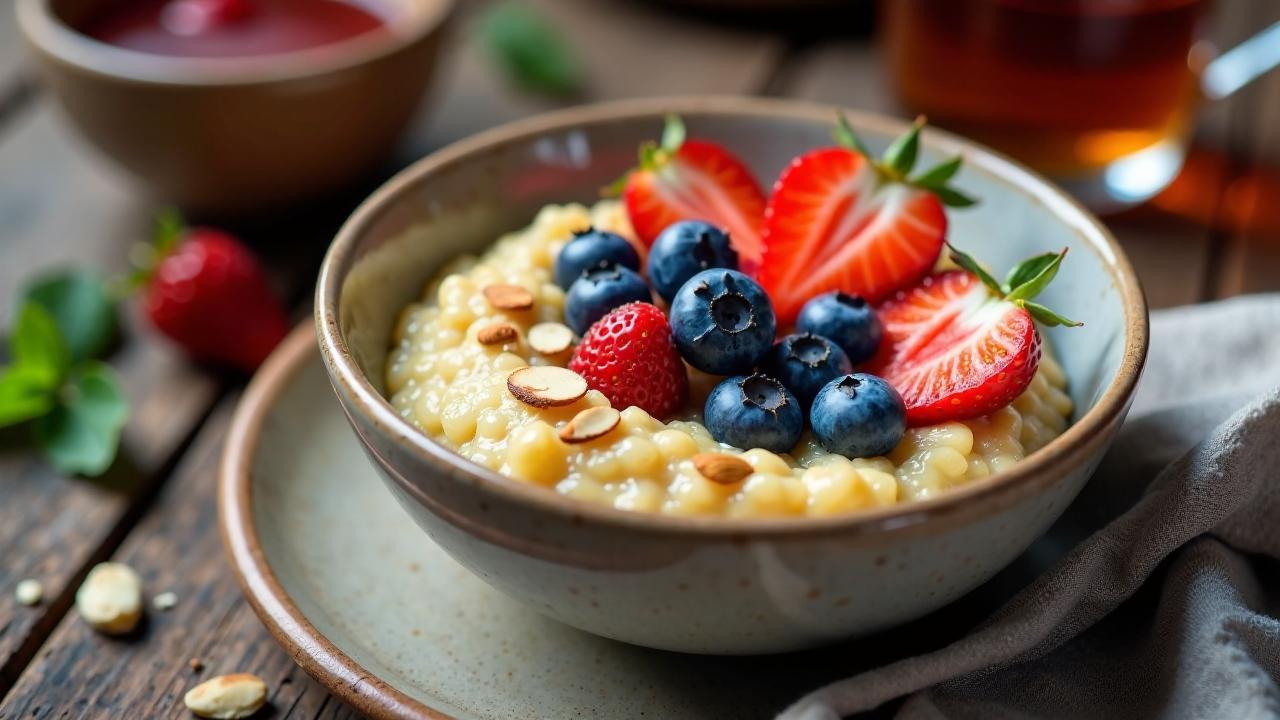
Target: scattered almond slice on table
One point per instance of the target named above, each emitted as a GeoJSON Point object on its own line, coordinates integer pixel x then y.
{"type": "Point", "coordinates": [590, 424]}
{"type": "Point", "coordinates": [29, 592]}
{"type": "Point", "coordinates": [165, 601]}
{"type": "Point", "coordinates": [508, 297]}
{"type": "Point", "coordinates": [722, 469]}
{"type": "Point", "coordinates": [546, 386]}
{"type": "Point", "coordinates": [550, 338]}
{"type": "Point", "coordinates": [498, 333]}
{"type": "Point", "coordinates": [110, 599]}
{"type": "Point", "coordinates": [227, 697]}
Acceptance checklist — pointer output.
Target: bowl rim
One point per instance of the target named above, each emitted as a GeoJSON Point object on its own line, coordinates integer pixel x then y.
{"type": "Point", "coordinates": [49, 34]}
{"type": "Point", "coordinates": [365, 399]}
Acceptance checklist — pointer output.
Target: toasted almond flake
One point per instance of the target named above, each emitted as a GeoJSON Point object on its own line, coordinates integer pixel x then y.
{"type": "Point", "coordinates": [196, 664]}
{"type": "Point", "coordinates": [546, 385]}
{"type": "Point", "coordinates": [721, 468]}
{"type": "Point", "coordinates": [498, 333]}
{"type": "Point", "coordinates": [29, 592]}
{"type": "Point", "coordinates": [165, 601]}
{"type": "Point", "coordinates": [110, 599]}
{"type": "Point", "coordinates": [508, 297]}
{"type": "Point", "coordinates": [590, 424]}
{"type": "Point", "coordinates": [227, 697]}
{"type": "Point", "coordinates": [550, 338]}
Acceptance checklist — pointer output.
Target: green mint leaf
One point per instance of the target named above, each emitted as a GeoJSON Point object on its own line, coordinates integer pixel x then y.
{"type": "Point", "coordinates": [26, 393]}
{"type": "Point", "coordinates": [1029, 268]}
{"type": "Point", "coordinates": [1046, 316]}
{"type": "Point", "coordinates": [82, 432]}
{"type": "Point", "coordinates": [901, 154]}
{"type": "Point", "coordinates": [530, 49]}
{"type": "Point", "coordinates": [673, 134]}
{"type": "Point", "coordinates": [80, 306]}
{"type": "Point", "coordinates": [34, 341]}
{"type": "Point", "coordinates": [952, 197]}
{"type": "Point", "coordinates": [938, 175]}
{"type": "Point", "coordinates": [1034, 285]}
{"type": "Point", "coordinates": [846, 138]}
{"type": "Point", "coordinates": [967, 262]}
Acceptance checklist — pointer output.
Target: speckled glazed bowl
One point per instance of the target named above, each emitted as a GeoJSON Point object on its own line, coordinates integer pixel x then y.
{"type": "Point", "coordinates": [714, 585]}
{"type": "Point", "coordinates": [241, 134]}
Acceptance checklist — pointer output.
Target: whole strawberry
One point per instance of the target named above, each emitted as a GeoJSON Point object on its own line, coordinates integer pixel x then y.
{"type": "Point", "coordinates": [207, 292]}
{"type": "Point", "coordinates": [630, 357]}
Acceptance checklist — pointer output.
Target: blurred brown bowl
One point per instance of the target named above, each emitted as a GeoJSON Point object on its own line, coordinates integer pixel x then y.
{"type": "Point", "coordinates": [240, 134]}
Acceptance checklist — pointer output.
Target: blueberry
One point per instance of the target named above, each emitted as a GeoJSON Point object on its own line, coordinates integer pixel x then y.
{"type": "Point", "coordinates": [683, 250]}
{"type": "Point", "coordinates": [754, 411]}
{"type": "Point", "coordinates": [858, 415]}
{"type": "Point", "coordinates": [599, 290]}
{"type": "Point", "coordinates": [846, 319]}
{"type": "Point", "coordinates": [722, 322]}
{"type": "Point", "coordinates": [588, 249]}
{"type": "Point", "coordinates": [804, 362]}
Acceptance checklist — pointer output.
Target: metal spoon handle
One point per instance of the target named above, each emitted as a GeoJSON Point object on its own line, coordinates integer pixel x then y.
{"type": "Point", "coordinates": [1242, 64]}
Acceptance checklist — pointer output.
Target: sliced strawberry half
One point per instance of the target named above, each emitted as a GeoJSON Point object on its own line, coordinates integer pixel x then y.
{"type": "Point", "coordinates": [960, 344]}
{"type": "Point", "coordinates": [683, 179]}
{"type": "Point", "coordinates": [839, 219]}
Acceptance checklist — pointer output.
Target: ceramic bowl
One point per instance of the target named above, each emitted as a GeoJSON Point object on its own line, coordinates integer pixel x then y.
{"type": "Point", "coordinates": [714, 585]}
{"type": "Point", "coordinates": [239, 134]}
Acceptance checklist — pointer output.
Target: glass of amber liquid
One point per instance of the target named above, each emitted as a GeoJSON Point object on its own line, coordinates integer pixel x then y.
{"type": "Point", "coordinates": [1098, 94]}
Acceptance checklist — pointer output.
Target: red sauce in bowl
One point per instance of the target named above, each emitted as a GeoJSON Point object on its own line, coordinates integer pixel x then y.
{"type": "Point", "coordinates": [228, 28]}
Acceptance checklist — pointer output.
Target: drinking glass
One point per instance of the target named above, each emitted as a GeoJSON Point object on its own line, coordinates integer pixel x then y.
{"type": "Point", "coordinates": [1100, 95]}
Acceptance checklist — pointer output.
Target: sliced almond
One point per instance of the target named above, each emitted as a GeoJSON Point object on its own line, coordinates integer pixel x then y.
{"type": "Point", "coordinates": [508, 297]}
{"type": "Point", "coordinates": [550, 338]}
{"type": "Point", "coordinates": [590, 424]}
{"type": "Point", "coordinates": [227, 696]}
{"type": "Point", "coordinates": [546, 385]}
{"type": "Point", "coordinates": [29, 592]}
{"type": "Point", "coordinates": [110, 599]}
{"type": "Point", "coordinates": [498, 333]}
{"type": "Point", "coordinates": [721, 468]}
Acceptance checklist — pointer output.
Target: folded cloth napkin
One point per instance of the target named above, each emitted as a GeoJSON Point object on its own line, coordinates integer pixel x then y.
{"type": "Point", "coordinates": [1171, 608]}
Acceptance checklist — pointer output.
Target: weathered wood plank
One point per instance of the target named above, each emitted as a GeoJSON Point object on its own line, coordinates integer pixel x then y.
{"type": "Point", "coordinates": [176, 548]}
{"type": "Point", "coordinates": [626, 49]}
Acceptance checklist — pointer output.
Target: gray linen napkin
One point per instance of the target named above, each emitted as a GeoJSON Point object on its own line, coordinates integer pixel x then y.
{"type": "Point", "coordinates": [1170, 609]}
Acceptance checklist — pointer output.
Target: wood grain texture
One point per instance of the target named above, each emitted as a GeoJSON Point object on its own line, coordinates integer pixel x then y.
{"type": "Point", "coordinates": [176, 548]}
{"type": "Point", "coordinates": [614, 41]}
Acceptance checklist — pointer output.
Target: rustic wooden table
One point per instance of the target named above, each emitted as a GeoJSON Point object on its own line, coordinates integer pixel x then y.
{"type": "Point", "coordinates": [1214, 235]}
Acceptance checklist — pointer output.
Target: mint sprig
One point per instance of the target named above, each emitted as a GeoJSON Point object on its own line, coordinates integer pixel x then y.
{"type": "Point", "coordinates": [72, 402]}
{"type": "Point", "coordinates": [530, 50]}
{"type": "Point", "coordinates": [1025, 281]}
{"type": "Point", "coordinates": [899, 160]}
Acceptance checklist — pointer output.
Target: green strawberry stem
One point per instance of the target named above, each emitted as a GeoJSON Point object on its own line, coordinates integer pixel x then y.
{"type": "Point", "coordinates": [1025, 280]}
{"type": "Point", "coordinates": [168, 227]}
{"type": "Point", "coordinates": [899, 160]}
{"type": "Point", "coordinates": [653, 155]}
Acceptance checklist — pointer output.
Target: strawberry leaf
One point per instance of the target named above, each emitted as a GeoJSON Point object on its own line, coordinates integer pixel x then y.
{"type": "Point", "coordinates": [615, 188]}
{"type": "Point", "coordinates": [967, 262]}
{"type": "Point", "coordinates": [938, 175]}
{"type": "Point", "coordinates": [1045, 272]}
{"type": "Point", "coordinates": [36, 343]}
{"type": "Point", "coordinates": [25, 394]}
{"type": "Point", "coordinates": [81, 434]}
{"type": "Point", "coordinates": [673, 134]}
{"type": "Point", "coordinates": [1046, 316]}
{"type": "Point", "coordinates": [81, 308]}
{"type": "Point", "coordinates": [1022, 272]}
{"type": "Point", "coordinates": [846, 138]}
{"type": "Point", "coordinates": [901, 154]}
{"type": "Point", "coordinates": [952, 197]}
{"type": "Point", "coordinates": [530, 49]}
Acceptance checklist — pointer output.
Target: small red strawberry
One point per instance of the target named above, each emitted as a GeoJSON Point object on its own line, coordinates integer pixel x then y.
{"type": "Point", "coordinates": [630, 357]}
{"type": "Point", "coordinates": [694, 180]}
{"type": "Point", "coordinates": [207, 292]}
{"type": "Point", "coordinates": [839, 219]}
{"type": "Point", "coordinates": [960, 344]}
